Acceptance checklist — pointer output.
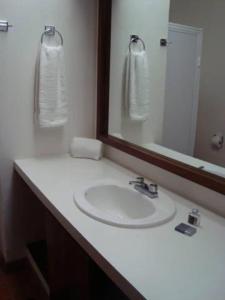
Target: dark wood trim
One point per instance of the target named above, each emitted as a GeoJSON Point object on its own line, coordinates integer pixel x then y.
{"type": "Point", "coordinates": [104, 45]}
{"type": "Point", "coordinates": [12, 266]}
{"type": "Point", "coordinates": [203, 178]}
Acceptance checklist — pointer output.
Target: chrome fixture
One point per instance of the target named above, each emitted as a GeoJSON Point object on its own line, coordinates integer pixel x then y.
{"type": "Point", "coordinates": [51, 31]}
{"type": "Point", "coordinates": [135, 39]}
{"type": "Point", "coordinates": [150, 190]}
{"type": "Point", "coordinates": [4, 26]}
{"type": "Point", "coordinates": [165, 42]}
{"type": "Point", "coordinates": [194, 217]}
{"type": "Point", "coordinates": [217, 141]}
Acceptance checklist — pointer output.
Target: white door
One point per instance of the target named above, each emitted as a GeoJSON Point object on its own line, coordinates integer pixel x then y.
{"type": "Point", "coordinates": [182, 88]}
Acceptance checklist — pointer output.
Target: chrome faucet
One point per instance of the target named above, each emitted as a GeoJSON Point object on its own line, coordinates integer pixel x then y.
{"type": "Point", "coordinates": [150, 190]}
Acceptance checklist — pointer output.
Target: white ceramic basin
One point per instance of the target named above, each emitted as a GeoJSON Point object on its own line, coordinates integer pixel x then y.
{"type": "Point", "coordinates": [123, 206]}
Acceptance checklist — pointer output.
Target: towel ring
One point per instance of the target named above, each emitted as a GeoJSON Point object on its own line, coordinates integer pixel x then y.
{"type": "Point", "coordinates": [136, 39]}
{"type": "Point", "coordinates": [50, 31]}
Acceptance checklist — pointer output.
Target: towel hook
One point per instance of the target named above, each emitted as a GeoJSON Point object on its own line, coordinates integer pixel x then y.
{"type": "Point", "coordinates": [51, 31]}
{"type": "Point", "coordinates": [4, 26]}
{"type": "Point", "coordinates": [135, 39]}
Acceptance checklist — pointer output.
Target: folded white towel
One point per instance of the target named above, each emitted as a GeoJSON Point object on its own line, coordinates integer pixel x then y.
{"type": "Point", "coordinates": [50, 102]}
{"type": "Point", "coordinates": [137, 86]}
{"type": "Point", "coordinates": [86, 148]}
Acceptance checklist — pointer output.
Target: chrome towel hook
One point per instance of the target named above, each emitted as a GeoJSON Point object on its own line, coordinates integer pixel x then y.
{"type": "Point", "coordinates": [4, 26]}
{"type": "Point", "coordinates": [51, 31]}
{"type": "Point", "coordinates": [135, 39]}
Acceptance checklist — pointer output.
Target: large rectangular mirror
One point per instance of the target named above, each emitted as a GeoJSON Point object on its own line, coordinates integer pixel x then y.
{"type": "Point", "coordinates": [164, 82]}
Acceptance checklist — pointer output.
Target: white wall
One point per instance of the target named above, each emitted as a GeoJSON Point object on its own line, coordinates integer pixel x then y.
{"type": "Point", "coordinates": [148, 19]}
{"type": "Point", "coordinates": [208, 15]}
{"type": "Point", "coordinates": [76, 20]}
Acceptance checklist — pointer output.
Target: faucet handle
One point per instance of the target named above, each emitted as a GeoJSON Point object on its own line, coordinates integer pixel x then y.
{"type": "Point", "coordinates": [139, 180]}
{"type": "Point", "coordinates": [153, 188]}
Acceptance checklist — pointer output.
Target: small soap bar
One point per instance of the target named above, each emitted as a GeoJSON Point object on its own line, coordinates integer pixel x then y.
{"type": "Point", "coordinates": [186, 229]}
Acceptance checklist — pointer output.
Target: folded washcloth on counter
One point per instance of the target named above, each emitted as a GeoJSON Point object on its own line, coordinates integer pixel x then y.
{"type": "Point", "coordinates": [86, 148]}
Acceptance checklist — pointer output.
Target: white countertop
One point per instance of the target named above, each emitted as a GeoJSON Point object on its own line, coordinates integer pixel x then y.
{"type": "Point", "coordinates": [159, 262]}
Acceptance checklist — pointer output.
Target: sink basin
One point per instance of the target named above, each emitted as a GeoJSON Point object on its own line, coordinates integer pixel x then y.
{"type": "Point", "coordinates": [123, 206]}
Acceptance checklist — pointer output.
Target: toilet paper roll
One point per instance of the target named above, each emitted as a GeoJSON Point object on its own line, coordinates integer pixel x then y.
{"type": "Point", "coordinates": [217, 141]}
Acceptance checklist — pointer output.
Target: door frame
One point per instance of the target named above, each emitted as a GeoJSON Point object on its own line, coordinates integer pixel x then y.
{"type": "Point", "coordinates": [198, 32]}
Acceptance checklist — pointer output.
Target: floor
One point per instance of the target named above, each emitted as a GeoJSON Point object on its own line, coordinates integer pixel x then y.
{"type": "Point", "coordinates": [19, 284]}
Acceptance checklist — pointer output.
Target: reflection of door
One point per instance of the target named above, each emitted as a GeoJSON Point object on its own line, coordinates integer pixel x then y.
{"type": "Point", "coordinates": [182, 88]}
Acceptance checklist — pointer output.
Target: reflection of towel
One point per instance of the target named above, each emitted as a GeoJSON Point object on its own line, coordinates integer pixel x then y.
{"type": "Point", "coordinates": [86, 148]}
{"type": "Point", "coordinates": [50, 102]}
{"type": "Point", "coordinates": [137, 86]}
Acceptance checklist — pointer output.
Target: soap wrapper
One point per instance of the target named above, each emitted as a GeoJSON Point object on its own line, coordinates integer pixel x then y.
{"type": "Point", "coordinates": [86, 148]}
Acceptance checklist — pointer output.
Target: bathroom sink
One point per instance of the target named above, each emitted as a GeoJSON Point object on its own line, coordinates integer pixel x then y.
{"type": "Point", "coordinates": [122, 206]}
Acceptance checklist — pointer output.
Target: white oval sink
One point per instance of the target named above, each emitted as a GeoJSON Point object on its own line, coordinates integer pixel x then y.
{"type": "Point", "coordinates": [123, 206]}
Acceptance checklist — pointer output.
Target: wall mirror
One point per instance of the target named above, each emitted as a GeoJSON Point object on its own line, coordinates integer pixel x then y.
{"type": "Point", "coordinates": [161, 89]}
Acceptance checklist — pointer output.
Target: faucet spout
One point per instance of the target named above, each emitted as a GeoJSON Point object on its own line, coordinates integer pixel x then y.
{"type": "Point", "coordinates": [149, 190]}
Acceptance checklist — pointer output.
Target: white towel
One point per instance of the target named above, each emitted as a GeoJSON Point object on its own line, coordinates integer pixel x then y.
{"type": "Point", "coordinates": [137, 86]}
{"type": "Point", "coordinates": [86, 148]}
{"type": "Point", "coordinates": [50, 102]}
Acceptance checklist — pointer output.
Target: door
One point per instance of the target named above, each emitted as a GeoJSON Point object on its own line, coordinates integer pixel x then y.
{"type": "Point", "coordinates": [182, 88]}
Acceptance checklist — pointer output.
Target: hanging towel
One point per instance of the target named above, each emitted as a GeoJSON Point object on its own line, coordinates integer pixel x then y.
{"type": "Point", "coordinates": [137, 86]}
{"type": "Point", "coordinates": [86, 148]}
{"type": "Point", "coordinates": [50, 102]}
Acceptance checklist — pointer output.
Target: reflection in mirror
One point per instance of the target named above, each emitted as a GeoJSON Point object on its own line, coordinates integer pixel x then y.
{"type": "Point", "coordinates": [167, 79]}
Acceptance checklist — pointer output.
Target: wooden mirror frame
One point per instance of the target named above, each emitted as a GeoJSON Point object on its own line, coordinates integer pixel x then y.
{"type": "Point", "coordinates": [203, 178]}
